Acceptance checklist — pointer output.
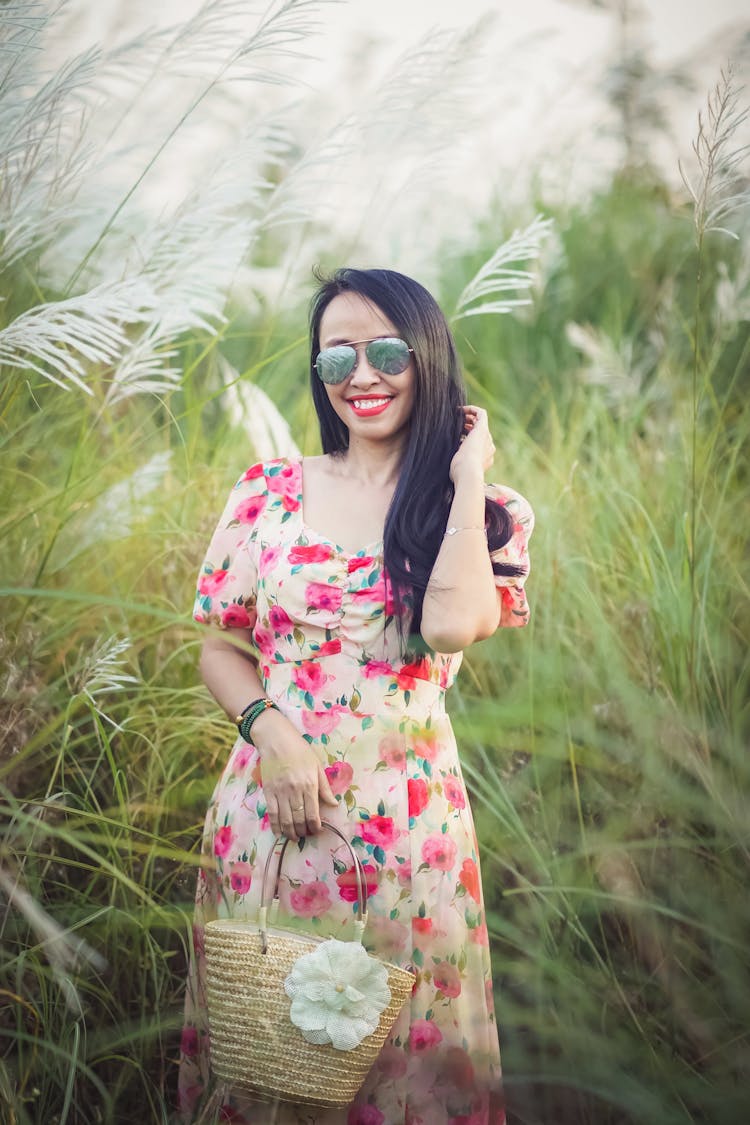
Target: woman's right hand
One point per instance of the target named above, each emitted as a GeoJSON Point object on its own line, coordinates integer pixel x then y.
{"type": "Point", "coordinates": [294, 780]}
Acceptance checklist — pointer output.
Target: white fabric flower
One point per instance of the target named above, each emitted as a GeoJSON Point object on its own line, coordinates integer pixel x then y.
{"type": "Point", "coordinates": [338, 992]}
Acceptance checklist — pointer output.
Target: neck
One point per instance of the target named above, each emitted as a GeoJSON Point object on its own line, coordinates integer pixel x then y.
{"type": "Point", "coordinates": [374, 462]}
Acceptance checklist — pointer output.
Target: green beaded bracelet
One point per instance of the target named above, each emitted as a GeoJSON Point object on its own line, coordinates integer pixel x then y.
{"type": "Point", "coordinates": [247, 717]}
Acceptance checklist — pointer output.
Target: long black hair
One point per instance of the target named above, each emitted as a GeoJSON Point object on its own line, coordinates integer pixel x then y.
{"type": "Point", "coordinates": [418, 514]}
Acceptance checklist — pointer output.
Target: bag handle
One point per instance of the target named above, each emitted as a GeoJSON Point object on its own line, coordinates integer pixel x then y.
{"type": "Point", "coordinates": [359, 923]}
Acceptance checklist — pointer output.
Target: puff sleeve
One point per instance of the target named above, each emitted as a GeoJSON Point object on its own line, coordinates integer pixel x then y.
{"type": "Point", "coordinates": [226, 593]}
{"type": "Point", "coordinates": [514, 609]}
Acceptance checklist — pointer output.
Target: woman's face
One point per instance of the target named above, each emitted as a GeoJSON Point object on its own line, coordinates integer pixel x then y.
{"type": "Point", "coordinates": [372, 405]}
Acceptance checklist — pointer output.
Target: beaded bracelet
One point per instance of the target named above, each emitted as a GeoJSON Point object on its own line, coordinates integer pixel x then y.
{"type": "Point", "coordinates": [247, 717]}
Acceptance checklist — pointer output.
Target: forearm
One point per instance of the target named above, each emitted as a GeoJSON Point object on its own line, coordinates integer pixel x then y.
{"type": "Point", "coordinates": [460, 604]}
{"type": "Point", "coordinates": [231, 675]}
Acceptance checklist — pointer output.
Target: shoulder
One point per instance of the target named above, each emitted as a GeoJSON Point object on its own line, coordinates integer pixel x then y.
{"type": "Point", "coordinates": [517, 505]}
{"type": "Point", "coordinates": [279, 474]}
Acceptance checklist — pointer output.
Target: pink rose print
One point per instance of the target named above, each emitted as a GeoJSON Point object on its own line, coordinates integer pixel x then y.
{"type": "Point", "coordinates": [319, 595]}
{"type": "Point", "coordinates": [317, 723]}
{"type": "Point", "coordinates": [340, 776]}
{"type": "Point", "coordinates": [454, 792]}
{"type": "Point", "coordinates": [309, 676]}
{"type": "Point", "coordinates": [311, 899]}
{"type": "Point", "coordinates": [210, 584]}
{"type": "Point", "coordinates": [317, 552]}
{"type": "Point", "coordinates": [422, 925]}
{"type": "Point", "coordinates": [279, 620]}
{"type": "Point", "coordinates": [265, 641]}
{"type": "Point", "coordinates": [424, 1034]}
{"type": "Point", "coordinates": [189, 1042]}
{"type": "Point", "coordinates": [408, 674]}
{"type": "Point", "coordinates": [469, 878]}
{"type": "Point", "coordinates": [403, 870]}
{"type": "Point", "coordinates": [418, 795]}
{"type": "Point", "coordinates": [389, 935]}
{"type": "Point", "coordinates": [426, 744]}
{"type": "Point", "coordinates": [329, 648]}
{"type": "Point", "coordinates": [235, 617]}
{"type": "Point", "coordinates": [479, 935]}
{"type": "Point", "coordinates": [458, 1068]}
{"type": "Point", "coordinates": [269, 557]}
{"type": "Point", "coordinates": [286, 482]}
{"type": "Point", "coordinates": [240, 877]}
{"type": "Point", "coordinates": [391, 1061]}
{"type": "Point", "coordinates": [439, 851]}
{"type": "Point", "coordinates": [358, 562]}
{"type": "Point", "coordinates": [241, 757]}
{"type": "Point", "coordinates": [290, 503]}
{"type": "Point", "coordinates": [393, 752]}
{"type": "Point", "coordinates": [254, 472]}
{"type": "Point", "coordinates": [347, 882]}
{"type": "Point", "coordinates": [375, 668]}
{"type": "Point", "coordinates": [446, 979]}
{"type": "Point", "coordinates": [379, 830]}
{"type": "Point", "coordinates": [247, 511]}
{"type": "Point", "coordinates": [365, 1115]}
{"type": "Point", "coordinates": [379, 593]}
{"type": "Point", "coordinates": [223, 840]}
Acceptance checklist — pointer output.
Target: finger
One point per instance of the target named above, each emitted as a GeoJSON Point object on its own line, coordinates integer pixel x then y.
{"type": "Point", "coordinates": [312, 815]}
{"type": "Point", "coordinates": [298, 808]}
{"type": "Point", "coordinates": [286, 820]}
{"type": "Point", "coordinates": [325, 792]}
{"type": "Point", "coordinates": [272, 808]}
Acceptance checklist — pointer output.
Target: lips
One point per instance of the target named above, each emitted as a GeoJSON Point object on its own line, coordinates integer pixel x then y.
{"type": "Point", "coordinates": [367, 406]}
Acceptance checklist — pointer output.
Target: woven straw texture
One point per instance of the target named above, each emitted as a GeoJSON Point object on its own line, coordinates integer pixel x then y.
{"type": "Point", "coordinates": [254, 1044]}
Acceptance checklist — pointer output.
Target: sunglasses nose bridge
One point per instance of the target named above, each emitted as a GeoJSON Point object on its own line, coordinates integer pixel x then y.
{"type": "Point", "coordinates": [363, 371]}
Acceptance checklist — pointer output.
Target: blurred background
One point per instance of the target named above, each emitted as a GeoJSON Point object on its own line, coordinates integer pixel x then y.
{"type": "Point", "coordinates": [571, 181]}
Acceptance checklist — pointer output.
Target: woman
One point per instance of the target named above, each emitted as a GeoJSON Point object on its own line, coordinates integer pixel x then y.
{"type": "Point", "coordinates": [358, 577]}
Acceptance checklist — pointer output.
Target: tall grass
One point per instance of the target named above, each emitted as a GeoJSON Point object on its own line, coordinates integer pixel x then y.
{"type": "Point", "coordinates": [605, 745]}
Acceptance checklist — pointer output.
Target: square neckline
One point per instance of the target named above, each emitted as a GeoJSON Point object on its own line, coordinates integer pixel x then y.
{"type": "Point", "coordinates": [369, 548]}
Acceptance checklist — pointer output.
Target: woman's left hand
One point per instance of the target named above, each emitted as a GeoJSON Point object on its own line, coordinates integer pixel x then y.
{"type": "Point", "coordinates": [477, 449]}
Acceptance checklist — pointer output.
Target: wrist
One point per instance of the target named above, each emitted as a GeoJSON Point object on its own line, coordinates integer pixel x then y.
{"type": "Point", "coordinates": [468, 475]}
{"type": "Point", "coordinates": [265, 730]}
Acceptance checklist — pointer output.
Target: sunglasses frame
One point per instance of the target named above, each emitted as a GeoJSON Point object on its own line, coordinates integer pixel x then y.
{"type": "Point", "coordinates": [353, 344]}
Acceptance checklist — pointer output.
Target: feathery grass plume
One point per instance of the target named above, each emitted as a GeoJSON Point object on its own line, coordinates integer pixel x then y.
{"type": "Point", "coordinates": [43, 150]}
{"type": "Point", "coordinates": [250, 407]}
{"type": "Point", "coordinates": [620, 368]}
{"type": "Point", "coordinates": [64, 951]}
{"type": "Point", "coordinates": [717, 197]}
{"type": "Point", "coordinates": [720, 189]}
{"type": "Point", "coordinates": [97, 670]}
{"type": "Point", "coordinates": [393, 153]}
{"type": "Point", "coordinates": [63, 340]}
{"type": "Point", "coordinates": [497, 275]}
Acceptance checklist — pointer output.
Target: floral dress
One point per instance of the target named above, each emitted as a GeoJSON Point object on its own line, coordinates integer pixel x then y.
{"type": "Point", "coordinates": [329, 656]}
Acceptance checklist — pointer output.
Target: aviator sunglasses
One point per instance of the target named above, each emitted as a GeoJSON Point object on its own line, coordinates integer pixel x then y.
{"type": "Point", "coordinates": [388, 355]}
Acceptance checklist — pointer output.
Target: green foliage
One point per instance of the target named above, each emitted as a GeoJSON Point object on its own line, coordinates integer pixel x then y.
{"type": "Point", "coordinates": [607, 772]}
{"type": "Point", "coordinates": [605, 744]}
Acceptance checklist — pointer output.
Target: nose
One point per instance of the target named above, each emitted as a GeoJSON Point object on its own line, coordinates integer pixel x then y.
{"type": "Point", "coordinates": [363, 374]}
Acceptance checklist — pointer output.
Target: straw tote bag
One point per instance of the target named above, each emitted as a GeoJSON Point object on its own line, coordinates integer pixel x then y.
{"type": "Point", "coordinates": [295, 1016]}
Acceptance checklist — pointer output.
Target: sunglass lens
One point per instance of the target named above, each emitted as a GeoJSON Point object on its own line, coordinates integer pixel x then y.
{"type": "Point", "coordinates": [334, 364]}
{"type": "Point", "coordinates": [389, 355]}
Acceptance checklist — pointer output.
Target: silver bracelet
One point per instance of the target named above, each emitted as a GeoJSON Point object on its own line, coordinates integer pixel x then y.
{"type": "Point", "coordinates": [453, 530]}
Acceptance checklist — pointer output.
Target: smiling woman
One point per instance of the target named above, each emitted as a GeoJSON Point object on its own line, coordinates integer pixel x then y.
{"type": "Point", "coordinates": [353, 580]}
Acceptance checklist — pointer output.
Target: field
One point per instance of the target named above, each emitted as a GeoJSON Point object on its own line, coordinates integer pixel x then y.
{"type": "Point", "coordinates": [605, 745]}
